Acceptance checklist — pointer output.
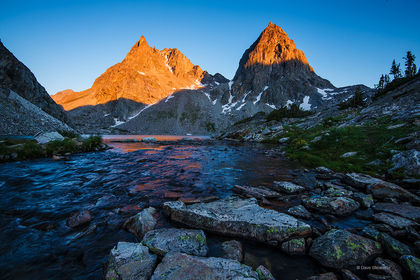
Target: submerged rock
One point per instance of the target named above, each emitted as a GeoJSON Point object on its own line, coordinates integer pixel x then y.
{"type": "Point", "coordinates": [340, 206]}
{"type": "Point", "coordinates": [189, 241]}
{"type": "Point", "coordinates": [232, 250]}
{"type": "Point", "coordinates": [141, 223]}
{"type": "Point", "coordinates": [79, 218]}
{"type": "Point", "coordinates": [130, 261]}
{"type": "Point", "coordinates": [255, 192]}
{"type": "Point", "coordinates": [238, 217]}
{"type": "Point", "coordinates": [182, 266]}
{"type": "Point", "coordinates": [287, 187]}
{"type": "Point", "coordinates": [340, 248]}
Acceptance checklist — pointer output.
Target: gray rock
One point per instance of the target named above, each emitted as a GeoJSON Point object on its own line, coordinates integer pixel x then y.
{"type": "Point", "coordinates": [396, 126]}
{"type": "Point", "coordinates": [393, 247]}
{"type": "Point", "coordinates": [238, 217]}
{"type": "Point", "coordinates": [141, 223]}
{"type": "Point", "coordinates": [365, 200]}
{"type": "Point", "coordinates": [232, 250]}
{"type": "Point", "coordinates": [287, 187]}
{"type": "Point", "coordinates": [388, 267]}
{"type": "Point", "coordinates": [294, 246]}
{"type": "Point", "coordinates": [182, 266]}
{"type": "Point", "coordinates": [189, 241]}
{"type": "Point", "coordinates": [372, 233]}
{"type": "Point", "coordinates": [340, 206]}
{"type": "Point", "coordinates": [412, 264]}
{"type": "Point", "coordinates": [360, 181]}
{"type": "Point", "coordinates": [404, 210]}
{"type": "Point", "coordinates": [149, 139]}
{"type": "Point", "coordinates": [264, 273]}
{"type": "Point", "coordinates": [255, 192]}
{"type": "Point", "coordinates": [340, 248]}
{"type": "Point", "coordinates": [408, 160]}
{"type": "Point", "coordinates": [393, 220]}
{"type": "Point", "coordinates": [299, 211]}
{"type": "Point", "coordinates": [283, 140]}
{"type": "Point", "coordinates": [348, 154]}
{"type": "Point", "coordinates": [337, 191]}
{"type": "Point", "coordinates": [79, 218]}
{"type": "Point", "coordinates": [130, 261]}
{"type": "Point", "coordinates": [47, 137]}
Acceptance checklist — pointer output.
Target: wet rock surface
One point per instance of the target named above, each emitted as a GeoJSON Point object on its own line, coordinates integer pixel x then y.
{"type": "Point", "coordinates": [238, 217]}
{"type": "Point", "coordinates": [182, 266]}
{"type": "Point", "coordinates": [232, 250]}
{"type": "Point", "coordinates": [340, 206]}
{"type": "Point", "coordinates": [141, 223]}
{"type": "Point", "coordinates": [130, 261]}
{"type": "Point", "coordinates": [340, 248]}
{"type": "Point", "coordinates": [188, 241]}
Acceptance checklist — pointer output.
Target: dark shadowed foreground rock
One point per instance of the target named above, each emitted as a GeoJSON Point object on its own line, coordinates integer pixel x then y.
{"type": "Point", "coordinates": [390, 268]}
{"type": "Point", "coordinates": [299, 212]}
{"type": "Point", "coordinates": [412, 264]}
{"type": "Point", "coordinates": [189, 241]}
{"type": "Point", "coordinates": [393, 220]}
{"type": "Point", "coordinates": [141, 223]}
{"type": "Point", "coordinates": [255, 192]}
{"type": "Point", "coordinates": [340, 206]}
{"type": "Point", "coordinates": [232, 250]}
{"type": "Point", "coordinates": [323, 276]}
{"type": "Point", "coordinates": [264, 273]}
{"type": "Point", "coordinates": [186, 267]}
{"type": "Point", "coordinates": [380, 189]}
{"type": "Point", "coordinates": [340, 248]}
{"type": "Point", "coordinates": [238, 217]}
{"type": "Point", "coordinates": [407, 211]}
{"type": "Point", "coordinates": [393, 247]}
{"type": "Point", "coordinates": [79, 218]}
{"type": "Point", "coordinates": [294, 246]}
{"type": "Point", "coordinates": [130, 261]}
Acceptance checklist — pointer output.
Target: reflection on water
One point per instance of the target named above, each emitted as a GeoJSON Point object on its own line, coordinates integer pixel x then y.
{"type": "Point", "coordinates": [36, 197]}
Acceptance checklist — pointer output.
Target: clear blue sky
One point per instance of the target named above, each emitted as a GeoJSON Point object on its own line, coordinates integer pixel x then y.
{"type": "Point", "coordinates": [67, 44]}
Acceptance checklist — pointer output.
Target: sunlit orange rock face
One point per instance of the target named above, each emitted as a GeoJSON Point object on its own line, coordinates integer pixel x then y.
{"type": "Point", "coordinates": [274, 47]}
{"type": "Point", "coordinates": [146, 75]}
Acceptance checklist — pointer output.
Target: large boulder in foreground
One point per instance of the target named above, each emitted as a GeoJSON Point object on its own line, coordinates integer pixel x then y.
{"type": "Point", "coordinates": [186, 267]}
{"type": "Point", "coordinates": [238, 217]}
{"type": "Point", "coordinates": [130, 261]}
{"type": "Point", "coordinates": [340, 248]}
{"type": "Point", "coordinates": [189, 241]}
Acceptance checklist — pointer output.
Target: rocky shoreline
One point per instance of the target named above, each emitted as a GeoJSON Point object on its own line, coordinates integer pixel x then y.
{"type": "Point", "coordinates": [297, 218]}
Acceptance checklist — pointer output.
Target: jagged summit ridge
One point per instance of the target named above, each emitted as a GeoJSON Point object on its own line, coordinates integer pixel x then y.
{"type": "Point", "coordinates": [273, 46]}
{"type": "Point", "coordinates": [146, 75]}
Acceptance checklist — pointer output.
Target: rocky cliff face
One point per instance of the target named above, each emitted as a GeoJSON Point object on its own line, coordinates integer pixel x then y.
{"type": "Point", "coordinates": [26, 107]}
{"type": "Point", "coordinates": [14, 75]}
{"type": "Point", "coordinates": [144, 77]}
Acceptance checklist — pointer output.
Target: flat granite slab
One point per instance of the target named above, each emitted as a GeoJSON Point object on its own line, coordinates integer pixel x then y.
{"type": "Point", "coordinates": [244, 218]}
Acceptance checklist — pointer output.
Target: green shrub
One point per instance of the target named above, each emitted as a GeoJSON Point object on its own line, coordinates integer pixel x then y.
{"type": "Point", "coordinates": [61, 147]}
{"type": "Point", "coordinates": [91, 144]}
{"type": "Point", "coordinates": [68, 133]}
{"type": "Point", "coordinates": [31, 150]}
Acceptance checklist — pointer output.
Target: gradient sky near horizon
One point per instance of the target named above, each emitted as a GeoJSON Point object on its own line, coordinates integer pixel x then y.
{"type": "Point", "coordinates": [68, 44]}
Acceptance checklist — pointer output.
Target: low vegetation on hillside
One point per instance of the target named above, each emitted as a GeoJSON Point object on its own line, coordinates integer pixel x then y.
{"type": "Point", "coordinates": [22, 149]}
